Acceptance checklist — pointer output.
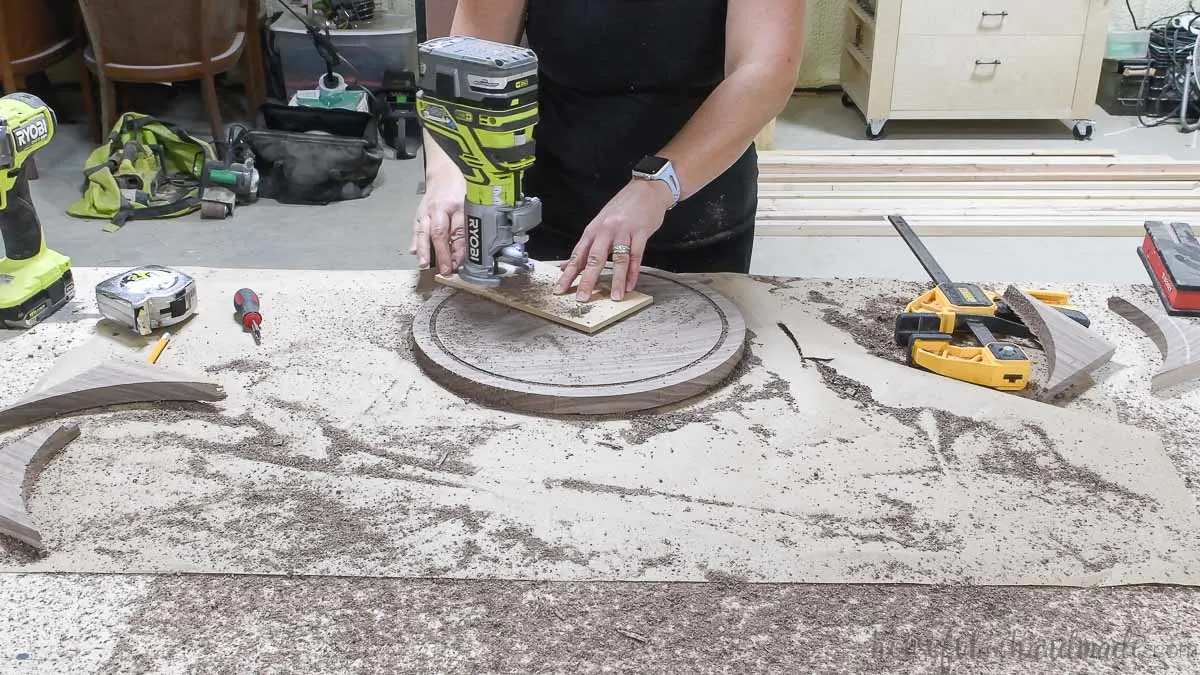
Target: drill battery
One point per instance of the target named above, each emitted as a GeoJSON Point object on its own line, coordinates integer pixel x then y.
{"type": "Point", "coordinates": [478, 101]}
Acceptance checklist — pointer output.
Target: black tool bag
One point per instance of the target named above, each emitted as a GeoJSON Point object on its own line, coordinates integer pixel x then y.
{"type": "Point", "coordinates": [311, 155]}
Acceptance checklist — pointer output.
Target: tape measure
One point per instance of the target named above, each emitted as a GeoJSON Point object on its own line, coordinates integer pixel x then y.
{"type": "Point", "coordinates": [145, 299]}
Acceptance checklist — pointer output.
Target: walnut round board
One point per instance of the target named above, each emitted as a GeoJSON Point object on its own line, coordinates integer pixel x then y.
{"type": "Point", "coordinates": [681, 345]}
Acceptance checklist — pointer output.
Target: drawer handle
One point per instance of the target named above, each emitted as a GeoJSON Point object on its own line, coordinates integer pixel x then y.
{"type": "Point", "coordinates": [987, 63]}
{"type": "Point", "coordinates": [995, 13]}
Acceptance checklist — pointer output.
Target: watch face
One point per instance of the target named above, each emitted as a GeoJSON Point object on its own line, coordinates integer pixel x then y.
{"type": "Point", "coordinates": [650, 165]}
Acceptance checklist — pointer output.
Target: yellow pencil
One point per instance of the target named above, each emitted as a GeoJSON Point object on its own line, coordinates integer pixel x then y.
{"type": "Point", "coordinates": [159, 347]}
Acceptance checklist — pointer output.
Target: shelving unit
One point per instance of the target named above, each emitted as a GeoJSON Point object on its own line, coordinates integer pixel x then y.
{"type": "Point", "coordinates": [974, 59]}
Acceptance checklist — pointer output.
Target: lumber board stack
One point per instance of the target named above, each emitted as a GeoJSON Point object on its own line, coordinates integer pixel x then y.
{"type": "Point", "coordinates": [973, 192]}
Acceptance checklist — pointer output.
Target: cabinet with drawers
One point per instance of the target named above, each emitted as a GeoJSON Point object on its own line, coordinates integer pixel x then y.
{"type": "Point", "coordinates": [974, 59]}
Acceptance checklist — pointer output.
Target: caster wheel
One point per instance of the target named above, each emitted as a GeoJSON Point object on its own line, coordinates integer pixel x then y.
{"type": "Point", "coordinates": [1082, 132]}
{"type": "Point", "coordinates": [847, 101]}
{"type": "Point", "coordinates": [874, 132]}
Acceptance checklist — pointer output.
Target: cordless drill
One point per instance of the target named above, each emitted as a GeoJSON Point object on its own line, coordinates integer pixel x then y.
{"type": "Point", "coordinates": [478, 100]}
{"type": "Point", "coordinates": [34, 281]}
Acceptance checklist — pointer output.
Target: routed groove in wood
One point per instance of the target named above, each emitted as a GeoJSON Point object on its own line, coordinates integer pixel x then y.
{"type": "Point", "coordinates": [1072, 351]}
{"type": "Point", "coordinates": [20, 464]}
{"type": "Point", "coordinates": [106, 385]}
{"type": "Point", "coordinates": [682, 345]}
{"type": "Point", "coordinates": [1178, 340]}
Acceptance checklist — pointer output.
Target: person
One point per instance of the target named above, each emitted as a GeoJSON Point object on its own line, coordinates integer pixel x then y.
{"type": "Point", "coordinates": [648, 110]}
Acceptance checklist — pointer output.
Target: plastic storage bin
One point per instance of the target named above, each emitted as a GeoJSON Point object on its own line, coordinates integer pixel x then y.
{"type": "Point", "coordinates": [389, 44]}
{"type": "Point", "coordinates": [1127, 44]}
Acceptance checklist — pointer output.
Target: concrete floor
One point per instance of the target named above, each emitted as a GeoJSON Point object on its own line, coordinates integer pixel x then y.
{"type": "Point", "coordinates": [82, 623]}
{"type": "Point", "coordinates": [374, 233]}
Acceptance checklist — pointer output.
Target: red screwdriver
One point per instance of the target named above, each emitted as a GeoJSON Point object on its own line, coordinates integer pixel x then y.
{"type": "Point", "coordinates": [245, 302]}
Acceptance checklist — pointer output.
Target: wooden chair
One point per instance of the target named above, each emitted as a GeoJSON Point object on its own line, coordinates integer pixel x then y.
{"type": "Point", "coordinates": [150, 41]}
{"type": "Point", "coordinates": [35, 35]}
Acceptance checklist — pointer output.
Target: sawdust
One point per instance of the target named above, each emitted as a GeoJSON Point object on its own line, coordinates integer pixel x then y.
{"type": "Point", "coordinates": [666, 560]}
{"type": "Point", "coordinates": [777, 284]}
{"type": "Point", "coordinates": [1033, 458]}
{"type": "Point", "coordinates": [731, 396]}
{"type": "Point", "coordinates": [723, 578]}
{"type": "Point", "coordinates": [483, 626]}
{"type": "Point", "coordinates": [852, 390]}
{"type": "Point", "coordinates": [901, 528]}
{"type": "Point", "coordinates": [871, 323]}
{"type": "Point", "coordinates": [1029, 454]}
{"type": "Point", "coordinates": [393, 333]}
{"type": "Point", "coordinates": [819, 297]}
{"type": "Point", "coordinates": [538, 550]}
{"type": "Point", "coordinates": [239, 365]}
{"type": "Point", "coordinates": [265, 444]}
{"type": "Point", "coordinates": [625, 492]}
{"type": "Point", "coordinates": [1100, 564]}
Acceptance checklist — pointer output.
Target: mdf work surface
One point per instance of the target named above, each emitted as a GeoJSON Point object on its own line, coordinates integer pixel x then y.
{"type": "Point", "coordinates": [974, 59]}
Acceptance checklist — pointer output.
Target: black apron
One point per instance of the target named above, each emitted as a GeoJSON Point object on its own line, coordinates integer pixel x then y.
{"type": "Point", "coordinates": [618, 80]}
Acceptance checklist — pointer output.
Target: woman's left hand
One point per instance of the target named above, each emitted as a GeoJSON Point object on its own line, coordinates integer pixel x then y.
{"type": "Point", "coordinates": [621, 229]}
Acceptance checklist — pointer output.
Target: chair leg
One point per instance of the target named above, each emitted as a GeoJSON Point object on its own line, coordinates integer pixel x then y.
{"type": "Point", "coordinates": [8, 78]}
{"type": "Point", "coordinates": [213, 105]}
{"type": "Point", "coordinates": [256, 85]}
{"type": "Point", "coordinates": [108, 102]}
{"type": "Point", "coordinates": [95, 130]}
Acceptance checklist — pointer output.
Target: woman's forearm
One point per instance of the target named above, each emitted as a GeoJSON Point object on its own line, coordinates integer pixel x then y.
{"type": "Point", "coordinates": [764, 43]}
{"type": "Point", "coordinates": [726, 124]}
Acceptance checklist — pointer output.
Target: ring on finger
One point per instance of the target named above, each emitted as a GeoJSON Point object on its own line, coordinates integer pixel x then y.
{"type": "Point", "coordinates": [621, 249]}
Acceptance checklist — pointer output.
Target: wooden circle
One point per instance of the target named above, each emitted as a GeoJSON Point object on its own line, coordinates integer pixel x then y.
{"type": "Point", "coordinates": [682, 345]}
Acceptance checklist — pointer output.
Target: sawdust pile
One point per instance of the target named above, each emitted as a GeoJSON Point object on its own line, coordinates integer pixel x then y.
{"type": "Point", "coordinates": [871, 320]}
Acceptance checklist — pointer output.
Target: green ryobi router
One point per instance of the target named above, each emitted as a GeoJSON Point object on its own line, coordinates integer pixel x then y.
{"type": "Point", "coordinates": [35, 281]}
{"type": "Point", "coordinates": [478, 100]}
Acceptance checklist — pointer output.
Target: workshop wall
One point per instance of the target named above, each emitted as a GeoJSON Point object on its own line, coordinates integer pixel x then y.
{"type": "Point", "coordinates": [822, 51]}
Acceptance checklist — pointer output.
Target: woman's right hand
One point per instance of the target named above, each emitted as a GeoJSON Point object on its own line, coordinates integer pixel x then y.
{"type": "Point", "coordinates": [439, 226]}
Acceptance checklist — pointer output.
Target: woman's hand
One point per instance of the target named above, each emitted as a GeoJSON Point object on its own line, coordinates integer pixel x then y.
{"type": "Point", "coordinates": [621, 229]}
{"type": "Point", "coordinates": [439, 224]}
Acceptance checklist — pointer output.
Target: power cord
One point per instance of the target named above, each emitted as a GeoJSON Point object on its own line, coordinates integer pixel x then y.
{"type": "Point", "coordinates": [1190, 76]}
{"type": "Point", "coordinates": [1171, 53]}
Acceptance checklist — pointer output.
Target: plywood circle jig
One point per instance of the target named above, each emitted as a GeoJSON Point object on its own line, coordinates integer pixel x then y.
{"type": "Point", "coordinates": [684, 344]}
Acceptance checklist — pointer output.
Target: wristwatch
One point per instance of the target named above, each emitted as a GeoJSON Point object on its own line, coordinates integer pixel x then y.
{"type": "Point", "coordinates": [660, 169]}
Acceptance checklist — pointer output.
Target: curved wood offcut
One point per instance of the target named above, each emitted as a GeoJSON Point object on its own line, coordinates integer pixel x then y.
{"type": "Point", "coordinates": [1072, 351]}
{"type": "Point", "coordinates": [682, 345]}
{"type": "Point", "coordinates": [105, 385]}
{"type": "Point", "coordinates": [1177, 340]}
{"type": "Point", "coordinates": [20, 464]}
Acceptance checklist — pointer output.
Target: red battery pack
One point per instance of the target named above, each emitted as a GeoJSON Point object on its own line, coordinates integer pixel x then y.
{"type": "Point", "coordinates": [1171, 254]}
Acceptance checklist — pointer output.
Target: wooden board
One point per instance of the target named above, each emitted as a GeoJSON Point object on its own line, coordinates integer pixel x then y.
{"type": "Point", "coordinates": [1178, 341]}
{"type": "Point", "coordinates": [534, 293]}
{"type": "Point", "coordinates": [956, 189]}
{"type": "Point", "coordinates": [20, 464]}
{"type": "Point", "coordinates": [947, 152]}
{"type": "Point", "coordinates": [1072, 351]}
{"type": "Point", "coordinates": [681, 346]}
{"type": "Point", "coordinates": [105, 385]}
{"type": "Point", "coordinates": [944, 226]}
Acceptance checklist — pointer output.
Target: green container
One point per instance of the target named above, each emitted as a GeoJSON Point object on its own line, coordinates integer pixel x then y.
{"type": "Point", "coordinates": [1128, 44]}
